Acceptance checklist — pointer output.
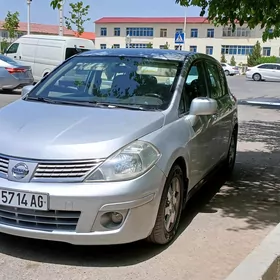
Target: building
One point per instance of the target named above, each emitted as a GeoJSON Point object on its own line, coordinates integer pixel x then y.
{"type": "Point", "coordinates": [201, 36]}
{"type": "Point", "coordinates": [42, 29]}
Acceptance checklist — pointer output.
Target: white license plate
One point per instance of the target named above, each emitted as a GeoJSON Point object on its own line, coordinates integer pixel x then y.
{"type": "Point", "coordinates": [36, 201]}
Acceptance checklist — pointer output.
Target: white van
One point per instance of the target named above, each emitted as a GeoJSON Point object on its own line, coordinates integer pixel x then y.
{"type": "Point", "coordinates": [43, 52]}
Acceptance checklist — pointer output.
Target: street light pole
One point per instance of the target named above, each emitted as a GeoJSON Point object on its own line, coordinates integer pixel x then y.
{"type": "Point", "coordinates": [28, 16]}
{"type": "Point", "coordinates": [61, 17]}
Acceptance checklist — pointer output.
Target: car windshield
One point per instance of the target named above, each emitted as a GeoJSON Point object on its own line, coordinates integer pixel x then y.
{"type": "Point", "coordinates": [117, 80]}
{"type": "Point", "coordinates": [8, 60]}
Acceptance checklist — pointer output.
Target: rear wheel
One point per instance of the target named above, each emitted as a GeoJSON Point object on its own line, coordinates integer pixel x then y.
{"type": "Point", "coordinates": [170, 208]}
{"type": "Point", "coordinates": [226, 72]}
{"type": "Point", "coordinates": [257, 77]}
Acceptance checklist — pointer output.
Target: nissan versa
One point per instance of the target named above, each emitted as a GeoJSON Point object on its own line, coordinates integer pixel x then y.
{"type": "Point", "coordinates": [109, 147]}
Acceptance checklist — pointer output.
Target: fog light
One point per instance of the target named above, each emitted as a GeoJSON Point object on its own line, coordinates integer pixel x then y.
{"type": "Point", "coordinates": [116, 217]}
{"type": "Point", "coordinates": [111, 220]}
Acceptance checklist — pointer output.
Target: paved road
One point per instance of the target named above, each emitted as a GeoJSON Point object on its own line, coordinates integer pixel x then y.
{"type": "Point", "coordinates": [221, 225]}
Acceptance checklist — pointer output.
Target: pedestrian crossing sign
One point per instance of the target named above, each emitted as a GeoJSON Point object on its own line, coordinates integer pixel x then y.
{"type": "Point", "coordinates": [179, 38]}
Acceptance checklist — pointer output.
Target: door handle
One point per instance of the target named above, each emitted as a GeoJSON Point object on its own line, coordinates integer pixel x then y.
{"type": "Point", "coordinates": [15, 56]}
{"type": "Point", "coordinates": [19, 57]}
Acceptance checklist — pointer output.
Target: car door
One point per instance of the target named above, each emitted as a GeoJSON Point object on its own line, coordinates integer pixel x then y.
{"type": "Point", "coordinates": [13, 51]}
{"type": "Point", "coordinates": [274, 72]}
{"type": "Point", "coordinates": [197, 147]}
{"type": "Point", "coordinates": [221, 122]}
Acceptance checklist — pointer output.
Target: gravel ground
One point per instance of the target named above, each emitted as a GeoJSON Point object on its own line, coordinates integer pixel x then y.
{"type": "Point", "coordinates": [221, 225]}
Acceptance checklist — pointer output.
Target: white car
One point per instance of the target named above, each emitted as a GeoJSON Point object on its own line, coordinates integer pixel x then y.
{"type": "Point", "coordinates": [264, 71]}
{"type": "Point", "coordinates": [230, 70]}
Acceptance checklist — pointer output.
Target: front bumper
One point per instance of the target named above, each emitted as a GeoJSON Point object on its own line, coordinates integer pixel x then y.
{"type": "Point", "coordinates": [137, 200]}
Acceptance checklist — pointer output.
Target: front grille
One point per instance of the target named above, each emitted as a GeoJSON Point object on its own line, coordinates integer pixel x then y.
{"type": "Point", "coordinates": [39, 220]}
{"type": "Point", "coordinates": [64, 170]}
{"type": "Point", "coordinates": [4, 163]}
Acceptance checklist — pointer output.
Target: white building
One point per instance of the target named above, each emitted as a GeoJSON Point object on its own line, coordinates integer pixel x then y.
{"type": "Point", "coordinates": [201, 36]}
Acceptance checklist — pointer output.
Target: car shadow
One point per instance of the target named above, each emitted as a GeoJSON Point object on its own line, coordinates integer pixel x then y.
{"type": "Point", "coordinates": [11, 92]}
{"type": "Point", "coordinates": [251, 195]}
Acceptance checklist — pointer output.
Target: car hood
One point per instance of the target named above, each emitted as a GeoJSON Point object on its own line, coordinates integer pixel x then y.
{"type": "Point", "coordinates": [49, 131]}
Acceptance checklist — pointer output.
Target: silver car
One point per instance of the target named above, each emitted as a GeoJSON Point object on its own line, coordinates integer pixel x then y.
{"type": "Point", "coordinates": [103, 151]}
{"type": "Point", "coordinates": [14, 75]}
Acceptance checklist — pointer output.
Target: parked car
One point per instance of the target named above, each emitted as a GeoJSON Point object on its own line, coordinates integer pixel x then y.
{"type": "Point", "coordinates": [111, 163]}
{"type": "Point", "coordinates": [44, 52]}
{"type": "Point", "coordinates": [230, 70]}
{"type": "Point", "coordinates": [14, 75]}
{"type": "Point", "coordinates": [264, 71]}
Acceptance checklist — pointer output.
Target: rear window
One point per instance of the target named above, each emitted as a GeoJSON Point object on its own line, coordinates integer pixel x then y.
{"type": "Point", "coordinates": [72, 51]}
{"type": "Point", "coordinates": [7, 59]}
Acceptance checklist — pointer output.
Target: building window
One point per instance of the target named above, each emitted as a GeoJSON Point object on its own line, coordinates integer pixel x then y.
{"type": "Point", "coordinates": [103, 31]}
{"type": "Point", "coordinates": [238, 32]}
{"type": "Point", "coordinates": [179, 30]}
{"type": "Point", "coordinates": [163, 33]}
{"type": "Point", "coordinates": [103, 46]}
{"type": "Point", "coordinates": [140, 31]}
{"type": "Point", "coordinates": [193, 48]}
{"type": "Point", "coordinates": [266, 51]}
{"type": "Point", "coordinates": [194, 33]}
{"type": "Point", "coordinates": [116, 46]}
{"type": "Point", "coordinates": [236, 50]}
{"type": "Point", "coordinates": [210, 33]}
{"type": "Point", "coordinates": [137, 46]}
{"type": "Point", "coordinates": [4, 34]}
{"type": "Point", "coordinates": [117, 31]}
{"type": "Point", "coordinates": [209, 50]}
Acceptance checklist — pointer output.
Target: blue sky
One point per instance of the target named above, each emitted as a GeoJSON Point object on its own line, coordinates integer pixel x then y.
{"type": "Point", "coordinates": [41, 12]}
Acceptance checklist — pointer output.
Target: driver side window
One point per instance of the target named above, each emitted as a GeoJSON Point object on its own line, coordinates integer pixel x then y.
{"type": "Point", "coordinates": [195, 86]}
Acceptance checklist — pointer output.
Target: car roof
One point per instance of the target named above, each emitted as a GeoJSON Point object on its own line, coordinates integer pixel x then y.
{"type": "Point", "coordinates": [164, 54]}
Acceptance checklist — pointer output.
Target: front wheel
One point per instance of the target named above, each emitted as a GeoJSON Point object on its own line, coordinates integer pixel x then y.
{"type": "Point", "coordinates": [231, 157]}
{"type": "Point", "coordinates": [170, 208]}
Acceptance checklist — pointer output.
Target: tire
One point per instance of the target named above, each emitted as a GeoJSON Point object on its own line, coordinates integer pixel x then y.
{"type": "Point", "coordinates": [226, 72]}
{"type": "Point", "coordinates": [162, 233]}
{"type": "Point", "coordinates": [257, 77]}
{"type": "Point", "coordinates": [231, 156]}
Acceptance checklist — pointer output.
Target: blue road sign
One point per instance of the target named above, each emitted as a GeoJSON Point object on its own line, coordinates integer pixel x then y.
{"type": "Point", "coordinates": [179, 38]}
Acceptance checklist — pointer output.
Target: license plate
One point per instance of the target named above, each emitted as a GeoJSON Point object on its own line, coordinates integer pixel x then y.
{"type": "Point", "coordinates": [28, 200]}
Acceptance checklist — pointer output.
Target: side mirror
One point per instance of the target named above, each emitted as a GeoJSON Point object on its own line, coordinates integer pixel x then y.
{"type": "Point", "coordinates": [26, 90]}
{"type": "Point", "coordinates": [203, 106]}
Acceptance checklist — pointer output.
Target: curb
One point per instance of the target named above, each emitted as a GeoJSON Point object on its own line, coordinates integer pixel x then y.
{"type": "Point", "coordinates": [263, 263]}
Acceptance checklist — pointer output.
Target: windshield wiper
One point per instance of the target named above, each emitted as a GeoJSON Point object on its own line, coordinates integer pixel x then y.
{"type": "Point", "coordinates": [41, 99]}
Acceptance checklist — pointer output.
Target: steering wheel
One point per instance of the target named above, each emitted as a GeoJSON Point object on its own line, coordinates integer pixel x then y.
{"type": "Point", "coordinates": [154, 95]}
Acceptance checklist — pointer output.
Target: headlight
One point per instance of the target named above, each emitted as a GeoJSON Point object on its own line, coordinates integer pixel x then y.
{"type": "Point", "coordinates": [128, 163]}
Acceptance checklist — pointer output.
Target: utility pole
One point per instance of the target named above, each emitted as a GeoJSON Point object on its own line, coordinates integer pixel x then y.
{"type": "Point", "coordinates": [28, 16]}
{"type": "Point", "coordinates": [61, 17]}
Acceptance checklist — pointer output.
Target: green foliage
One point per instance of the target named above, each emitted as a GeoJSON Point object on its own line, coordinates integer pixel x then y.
{"type": "Point", "coordinates": [149, 45]}
{"type": "Point", "coordinates": [267, 59]}
{"type": "Point", "coordinates": [3, 46]}
{"type": "Point", "coordinates": [77, 17]}
{"type": "Point", "coordinates": [166, 46]}
{"type": "Point", "coordinates": [255, 56]}
{"type": "Point", "coordinates": [56, 4]}
{"type": "Point", "coordinates": [11, 24]}
{"type": "Point", "coordinates": [265, 13]}
{"type": "Point", "coordinates": [223, 59]}
{"type": "Point", "coordinates": [232, 61]}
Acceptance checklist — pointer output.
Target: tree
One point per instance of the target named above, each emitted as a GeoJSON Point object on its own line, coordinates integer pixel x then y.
{"type": "Point", "coordinates": [149, 45]}
{"type": "Point", "coordinates": [77, 17]}
{"type": "Point", "coordinates": [254, 57]}
{"type": "Point", "coordinates": [223, 59]}
{"type": "Point", "coordinates": [11, 24]}
{"type": "Point", "coordinates": [232, 61]}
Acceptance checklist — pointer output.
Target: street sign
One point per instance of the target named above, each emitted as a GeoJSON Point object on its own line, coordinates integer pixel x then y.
{"type": "Point", "coordinates": [179, 38]}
